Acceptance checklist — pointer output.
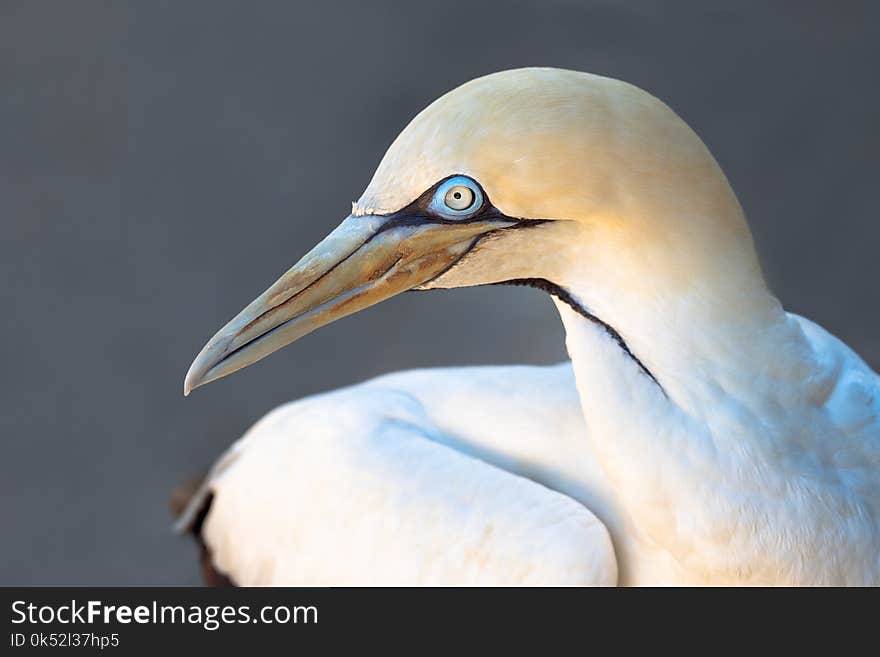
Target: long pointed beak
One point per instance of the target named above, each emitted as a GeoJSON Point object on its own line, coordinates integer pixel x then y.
{"type": "Point", "coordinates": [364, 261]}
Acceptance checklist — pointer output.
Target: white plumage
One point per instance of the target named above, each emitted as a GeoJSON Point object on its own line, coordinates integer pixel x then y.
{"type": "Point", "coordinates": [714, 437]}
{"type": "Point", "coordinates": [367, 485]}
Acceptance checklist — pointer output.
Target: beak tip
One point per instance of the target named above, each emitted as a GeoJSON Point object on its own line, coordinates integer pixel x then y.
{"type": "Point", "coordinates": [199, 372]}
{"type": "Point", "coordinates": [193, 379]}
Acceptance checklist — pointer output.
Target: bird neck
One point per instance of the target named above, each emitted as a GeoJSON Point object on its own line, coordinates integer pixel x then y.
{"type": "Point", "coordinates": [690, 349]}
{"type": "Point", "coordinates": [670, 407]}
{"type": "Point", "coordinates": [681, 291]}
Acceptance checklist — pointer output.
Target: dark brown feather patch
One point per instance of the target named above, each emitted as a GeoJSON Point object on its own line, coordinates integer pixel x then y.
{"type": "Point", "coordinates": [180, 498]}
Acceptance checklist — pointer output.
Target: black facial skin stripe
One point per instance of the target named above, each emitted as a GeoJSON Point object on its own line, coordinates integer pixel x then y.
{"type": "Point", "coordinates": [417, 213]}
{"type": "Point", "coordinates": [414, 214]}
{"type": "Point", "coordinates": [563, 295]}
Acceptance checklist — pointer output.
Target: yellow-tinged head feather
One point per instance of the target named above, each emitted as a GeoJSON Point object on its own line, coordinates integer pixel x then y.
{"type": "Point", "coordinates": [556, 144]}
{"type": "Point", "coordinates": [543, 142]}
{"type": "Point", "coordinates": [641, 225]}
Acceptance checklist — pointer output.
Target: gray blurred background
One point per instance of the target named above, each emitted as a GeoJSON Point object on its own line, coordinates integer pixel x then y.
{"type": "Point", "coordinates": [161, 164]}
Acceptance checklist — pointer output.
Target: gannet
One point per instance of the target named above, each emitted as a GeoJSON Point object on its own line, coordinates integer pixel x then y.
{"type": "Point", "coordinates": [700, 435]}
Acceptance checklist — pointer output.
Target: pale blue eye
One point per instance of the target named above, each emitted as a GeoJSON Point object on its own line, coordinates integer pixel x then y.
{"type": "Point", "coordinates": [457, 198]}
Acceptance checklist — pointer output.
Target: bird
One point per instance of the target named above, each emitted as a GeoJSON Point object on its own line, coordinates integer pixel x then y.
{"type": "Point", "coordinates": [699, 435]}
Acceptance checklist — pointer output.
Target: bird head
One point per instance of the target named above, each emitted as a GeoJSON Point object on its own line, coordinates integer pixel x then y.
{"type": "Point", "coordinates": [588, 183]}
